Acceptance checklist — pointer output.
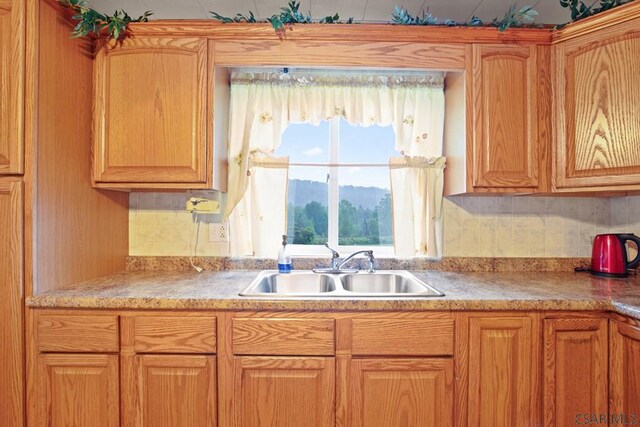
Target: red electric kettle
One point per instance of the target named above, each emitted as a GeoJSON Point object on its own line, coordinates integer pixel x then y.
{"type": "Point", "coordinates": [609, 255]}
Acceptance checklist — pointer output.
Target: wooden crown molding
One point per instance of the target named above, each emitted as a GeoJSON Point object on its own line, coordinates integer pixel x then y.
{"type": "Point", "coordinates": [342, 32]}
{"type": "Point", "coordinates": [597, 22]}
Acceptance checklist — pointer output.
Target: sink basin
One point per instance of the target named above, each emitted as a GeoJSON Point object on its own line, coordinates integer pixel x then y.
{"type": "Point", "coordinates": [303, 284]}
{"type": "Point", "coordinates": [387, 283]}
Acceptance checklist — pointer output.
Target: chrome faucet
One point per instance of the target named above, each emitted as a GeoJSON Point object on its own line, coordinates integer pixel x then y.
{"type": "Point", "coordinates": [336, 264]}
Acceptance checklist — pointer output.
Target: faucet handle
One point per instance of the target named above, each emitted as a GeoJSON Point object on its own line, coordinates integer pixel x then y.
{"type": "Point", "coordinates": [334, 253]}
{"type": "Point", "coordinates": [371, 260]}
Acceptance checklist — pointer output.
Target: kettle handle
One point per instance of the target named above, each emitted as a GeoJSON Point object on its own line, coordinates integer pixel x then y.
{"type": "Point", "coordinates": [623, 239]}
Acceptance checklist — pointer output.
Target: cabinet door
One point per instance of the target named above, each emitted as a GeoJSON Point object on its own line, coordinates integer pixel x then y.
{"type": "Point", "coordinates": [12, 54]}
{"type": "Point", "coordinates": [506, 149]}
{"type": "Point", "coordinates": [575, 369]}
{"type": "Point", "coordinates": [174, 391]}
{"type": "Point", "coordinates": [503, 364]}
{"type": "Point", "coordinates": [11, 341]}
{"type": "Point", "coordinates": [78, 390]}
{"type": "Point", "coordinates": [401, 392]}
{"type": "Point", "coordinates": [625, 370]}
{"type": "Point", "coordinates": [151, 112]}
{"type": "Point", "coordinates": [284, 392]}
{"type": "Point", "coordinates": [598, 109]}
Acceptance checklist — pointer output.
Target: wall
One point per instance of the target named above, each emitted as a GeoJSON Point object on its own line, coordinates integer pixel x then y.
{"type": "Point", "coordinates": [473, 226]}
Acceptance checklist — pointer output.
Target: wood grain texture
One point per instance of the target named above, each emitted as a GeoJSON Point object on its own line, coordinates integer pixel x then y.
{"type": "Point", "coordinates": [354, 33]}
{"type": "Point", "coordinates": [79, 334]}
{"type": "Point", "coordinates": [624, 356]}
{"type": "Point", "coordinates": [79, 233]}
{"type": "Point", "coordinates": [284, 392]}
{"type": "Point", "coordinates": [174, 334]}
{"type": "Point", "coordinates": [401, 392]}
{"type": "Point", "coordinates": [575, 369]}
{"type": "Point", "coordinates": [150, 111]}
{"type": "Point", "coordinates": [503, 369]}
{"type": "Point", "coordinates": [402, 337]}
{"type": "Point", "coordinates": [597, 107]}
{"type": "Point", "coordinates": [78, 390]}
{"type": "Point", "coordinates": [282, 336]}
{"type": "Point", "coordinates": [339, 54]}
{"type": "Point", "coordinates": [11, 304]}
{"type": "Point", "coordinates": [506, 152]}
{"type": "Point", "coordinates": [12, 81]}
{"type": "Point", "coordinates": [176, 391]}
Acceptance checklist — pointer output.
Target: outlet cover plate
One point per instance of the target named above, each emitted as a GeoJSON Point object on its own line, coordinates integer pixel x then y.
{"type": "Point", "coordinates": [219, 232]}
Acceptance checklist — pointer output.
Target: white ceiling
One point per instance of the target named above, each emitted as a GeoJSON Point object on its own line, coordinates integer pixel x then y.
{"type": "Point", "coordinates": [361, 10]}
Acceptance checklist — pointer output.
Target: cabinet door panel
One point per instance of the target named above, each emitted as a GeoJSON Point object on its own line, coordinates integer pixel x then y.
{"type": "Point", "coordinates": [502, 371]}
{"type": "Point", "coordinates": [575, 371]}
{"type": "Point", "coordinates": [598, 109]}
{"type": "Point", "coordinates": [625, 369]}
{"type": "Point", "coordinates": [284, 392]}
{"type": "Point", "coordinates": [12, 60]}
{"type": "Point", "coordinates": [11, 317]}
{"type": "Point", "coordinates": [175, 391]}
{"type": "Point", "coordinates": [506, 147]}
{"type": "Point", "coordinates": [151, 111]}
{"type": "Point", "coordinates": [401, 392]}
{"type": "Point", "coordinates": [78, 390]}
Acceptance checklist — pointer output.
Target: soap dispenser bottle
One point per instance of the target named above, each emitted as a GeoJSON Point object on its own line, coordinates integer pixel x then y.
{"type": "Point", "coordinates": [284, 257]}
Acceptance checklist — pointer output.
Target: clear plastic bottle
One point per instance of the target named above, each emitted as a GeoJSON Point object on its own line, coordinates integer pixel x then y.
{"type": "Point", "coordinates": [284, 257]}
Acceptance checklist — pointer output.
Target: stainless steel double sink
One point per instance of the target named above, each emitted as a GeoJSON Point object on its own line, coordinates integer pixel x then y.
{"type": "Point", "coordinates": [304, 284]}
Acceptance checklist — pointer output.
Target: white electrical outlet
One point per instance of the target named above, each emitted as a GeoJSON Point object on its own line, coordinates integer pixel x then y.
{"type": "Point", "coordinates": [218, 232]}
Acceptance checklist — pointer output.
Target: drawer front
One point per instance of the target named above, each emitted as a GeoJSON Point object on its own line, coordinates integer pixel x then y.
{"type": "Point", "coordinates": [402, 337]}
{"type": "Point", "coordinates": [78, 334]}
{"type": "Point", "coordinates": [175, 334]}
{"type": "Point", "coordinates": [276, 336]}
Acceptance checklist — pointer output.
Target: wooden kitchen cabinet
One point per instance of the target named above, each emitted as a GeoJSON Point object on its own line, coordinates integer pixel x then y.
{"type": "Point", "coordinates": [401, 392]}
{"type": "Point", "coordinates": [78, 390]}
{"type": "Point", "coordinates": [508, 90]}
{"type": "Point", "coordinates": [283, 391]}
{"type": "Point", "coordinates": [151, 110]}
{"type": "Point", "coordinates": [575, 369]}
{"type": "Point", "coordinates": [497, 363]}
{"type": "Point", "coordinates": [12, 76]}
{"type": "Point", "coordinates": [173, 391]}
{"type": "Point", "coordinates": [624, 391]}
{"type": "Point", "coordinates": [11, 302]}
{"type": "Point", "coordinates": [597, 101]}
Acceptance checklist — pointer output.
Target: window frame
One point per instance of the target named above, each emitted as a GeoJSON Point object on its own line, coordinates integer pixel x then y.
{"type": "Point", "coordinates": [333, 206]}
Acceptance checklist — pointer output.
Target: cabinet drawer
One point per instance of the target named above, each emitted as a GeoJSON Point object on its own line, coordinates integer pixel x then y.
{"type": "Point", "coordinates": [78, 334]}
{"type": "Point", "coordinates": [175, 334]}
{"type": "Point", "coordinates": [274, 336]}
{"type": "Point", "coordinates": [402, 337]}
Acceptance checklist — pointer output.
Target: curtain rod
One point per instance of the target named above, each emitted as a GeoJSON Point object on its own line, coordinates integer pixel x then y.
{"type": "Point", "coordinates": [340, 165]}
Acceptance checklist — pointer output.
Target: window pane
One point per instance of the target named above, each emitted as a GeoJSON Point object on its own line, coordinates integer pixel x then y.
{"type": "Point", "coordinates": [307, 219]}
{"type": "Point", "coordinates": [372, 144]}
{"type": "Point", "coordinates": [364, 213]}
{"type": "Point", "coordinates": [305, 143]}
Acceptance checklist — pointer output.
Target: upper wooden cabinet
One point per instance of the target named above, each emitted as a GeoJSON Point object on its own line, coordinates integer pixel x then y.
{"type": "Point", "coordinates": [12, 62]}
{"type": "Point", "coordinates": [151, 110]}
{"type": "Point", "coordinates": [506, 95]}
{"type": "Point", "coordinates": [597, 105]}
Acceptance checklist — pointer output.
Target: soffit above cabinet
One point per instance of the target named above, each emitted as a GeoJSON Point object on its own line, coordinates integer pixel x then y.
{"type": "Point", "coordinates": [361, 10]}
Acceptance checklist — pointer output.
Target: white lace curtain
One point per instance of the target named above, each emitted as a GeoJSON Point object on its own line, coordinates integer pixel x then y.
{"type": "Point", "coordinates": [263, 104]}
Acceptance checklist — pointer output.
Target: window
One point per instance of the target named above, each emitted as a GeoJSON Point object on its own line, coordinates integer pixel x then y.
{"type": "Point", "coordinates": [339, 186]}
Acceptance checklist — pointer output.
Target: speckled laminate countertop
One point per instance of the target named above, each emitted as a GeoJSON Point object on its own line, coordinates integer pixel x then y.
{"type": "Point", "coordinates": [463, 291]}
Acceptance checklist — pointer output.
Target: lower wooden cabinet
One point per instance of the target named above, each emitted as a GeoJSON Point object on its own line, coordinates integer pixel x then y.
{"type": "Point", "coordinates": [575, 369]}
{"type": "Point", "coordinates": [625, 370]}
{"type": "Point", "coordinates": [284, 391]}
{"type": "Point", "coordinates": [172, 391]}
{"type": "Point", "coordinates": [401, 392]}
{"type": "Point", "coordinates": [78, 390]}
{"type": "Point", "coordinates": [500, 355]}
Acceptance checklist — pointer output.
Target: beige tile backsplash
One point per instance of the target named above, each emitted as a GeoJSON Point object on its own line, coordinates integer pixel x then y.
{"type": "Point", "coordinates": [519, 226]}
